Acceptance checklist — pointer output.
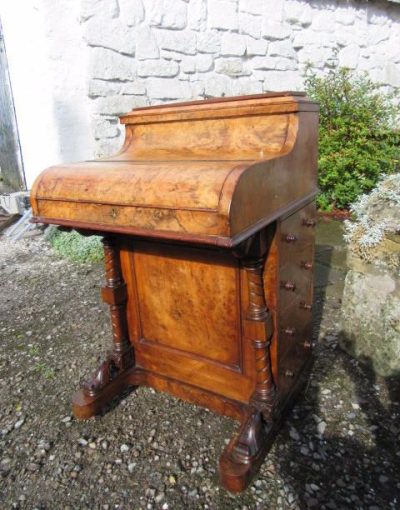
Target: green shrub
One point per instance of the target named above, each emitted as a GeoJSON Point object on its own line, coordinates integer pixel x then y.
{"type": "Point", "coordinates": [359, 139]}
{"type": "Point", "coordinates": [75, 246]}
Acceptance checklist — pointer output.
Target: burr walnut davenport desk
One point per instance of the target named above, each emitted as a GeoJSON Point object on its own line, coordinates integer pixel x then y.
{"type": "Point", "coordinates": [207, 214]}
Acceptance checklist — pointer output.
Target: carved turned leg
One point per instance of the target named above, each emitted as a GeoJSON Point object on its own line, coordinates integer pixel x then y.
{"type": "Point", "coordinates": [112, 375]}
{"type": "Point", "coordinates": [243, 456]}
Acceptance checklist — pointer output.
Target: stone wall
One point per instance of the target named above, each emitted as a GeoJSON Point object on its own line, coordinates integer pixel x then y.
{"type": "Point", "coordinates": [75, 61]}
{"type": "Point", "coordinates": [147, 52]}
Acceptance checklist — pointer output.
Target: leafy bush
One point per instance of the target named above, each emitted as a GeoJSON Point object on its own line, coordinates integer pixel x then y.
{"type": "Point", "coordinates": [75, 246]}
{"type": "Point", "coordinates": [359, 139]}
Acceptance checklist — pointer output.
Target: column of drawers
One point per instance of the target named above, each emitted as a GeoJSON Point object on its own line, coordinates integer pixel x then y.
{"type": "Point", "coordinates": [296, 260]}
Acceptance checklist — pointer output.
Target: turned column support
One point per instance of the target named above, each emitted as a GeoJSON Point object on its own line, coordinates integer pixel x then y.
{"type": "Point", "coordinates": [121, 356]}
{"type": "Point", "coordinates": [258, 321]}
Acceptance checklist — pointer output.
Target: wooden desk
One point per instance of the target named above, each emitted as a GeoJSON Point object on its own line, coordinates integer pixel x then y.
{"type": "Point", "coordinates": [207, 214]}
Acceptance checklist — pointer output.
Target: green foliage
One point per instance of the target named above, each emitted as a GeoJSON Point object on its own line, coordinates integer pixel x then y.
{"type": "Point", "coordinates": [75, 246]}
{"type": "Point", "coordinates": [359, 139]}
{"type": "Point", "coordinates": [45, 370]}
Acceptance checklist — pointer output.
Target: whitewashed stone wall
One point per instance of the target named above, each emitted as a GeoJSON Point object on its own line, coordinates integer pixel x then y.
{"type": "Point", "coordinates": [148, 51]}
{"type": "Point", "coordinates": [76, 64]}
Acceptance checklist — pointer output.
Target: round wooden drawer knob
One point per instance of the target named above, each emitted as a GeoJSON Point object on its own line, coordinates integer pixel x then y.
{"type": "Point", "coordinates": [290, 238]}
{"type": "Point", "coordinates": [288, 285]}
{"type": "Point", "coordinates": [309, 222]}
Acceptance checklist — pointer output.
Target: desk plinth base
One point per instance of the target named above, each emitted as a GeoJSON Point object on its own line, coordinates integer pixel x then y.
{"type": "Point", "coordinates": [243, 456]}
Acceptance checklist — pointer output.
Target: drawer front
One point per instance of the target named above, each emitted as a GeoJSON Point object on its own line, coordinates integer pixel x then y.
{"type": "Point", "coordinates": [296, 261]}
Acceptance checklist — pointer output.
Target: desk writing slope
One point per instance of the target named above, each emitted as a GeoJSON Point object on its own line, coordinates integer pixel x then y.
{"type": "Point", "coordinates": [207, 214]}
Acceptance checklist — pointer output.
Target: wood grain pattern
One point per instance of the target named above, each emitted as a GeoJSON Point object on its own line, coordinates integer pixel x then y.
{"type": "Point", "coordinates": [190, 170]}
{"type": "Point", "coordinates": [175, 283]}
{"type": "Point", "coordinates": [208, 215]}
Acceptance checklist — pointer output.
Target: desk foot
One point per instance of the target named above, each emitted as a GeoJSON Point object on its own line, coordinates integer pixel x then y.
{"type": "Point", "coordinates": [243, 456]}
{"type": "Point", "coordinates": [110, 380]}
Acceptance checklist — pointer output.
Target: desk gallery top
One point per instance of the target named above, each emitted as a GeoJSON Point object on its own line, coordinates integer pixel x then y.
{"type": "Point", "coordinates": [207, 172]}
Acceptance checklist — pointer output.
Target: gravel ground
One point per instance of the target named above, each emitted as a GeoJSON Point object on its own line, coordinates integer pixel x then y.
{"type": "Point", "coordinates": [338, 449]}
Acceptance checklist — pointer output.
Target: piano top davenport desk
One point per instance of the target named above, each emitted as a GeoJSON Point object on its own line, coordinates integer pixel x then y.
{"type": "Point", "coordinates": [207, 214]}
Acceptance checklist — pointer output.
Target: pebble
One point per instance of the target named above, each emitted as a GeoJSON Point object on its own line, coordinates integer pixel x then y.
{"type": "Point", "coordinates": [19, 423]}
{"type": "Point", "coordinates": [131, 467]}
{"type": "Point", "coordinates": [92, 445]}
{"type": "Point", "coordinates": [294, 434]}
{"type": "Point", "coordinates": [159, 497]}
{"type": "Point", "coordinates": [124, 448]}
{"type": "Point", "coordinates": [321, 427]}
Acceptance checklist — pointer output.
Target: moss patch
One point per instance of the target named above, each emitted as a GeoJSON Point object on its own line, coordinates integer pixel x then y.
{"type": "Point", "coordinates": [74, 246]}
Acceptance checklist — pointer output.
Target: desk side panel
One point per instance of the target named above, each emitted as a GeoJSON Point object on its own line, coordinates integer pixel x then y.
{"type": "Point", "coordinates": [185, 317]}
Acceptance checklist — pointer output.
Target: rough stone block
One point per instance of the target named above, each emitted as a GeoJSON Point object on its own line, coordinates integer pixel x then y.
{"type": "Point", "coordinates": [104, 127]}
{"type": "Point", "coordinates": [298, 13]}
{"type": "Point", "coordinates": [146, 44]}
{"type": "Point", "coordinates": [252, 6]}
{"type": "Point", "coordinates": [282, 80]}
{"type": "Point", "coordinates": [378, 33]}
{"type": "Point", "coordinates": [164, 88]}
{"type": "Point", "coordinates": [116, 105]}
{"type": "Point", "coordinates": [209, 42]}
{"type": "Point", "coordinates": [111, 35]}
{"type": "Point", "coordinates": [109, 65]}
{"type": "Point", "coordinates": [108, 146]}
{"type": "Point", "coordinates": [263, 63]}
{"type": "Point", "coordinates": [243, 86]}
{"type": "Point", "coordinates": [274, 9]}
{"type": "Point", "coordinates": [345, 15]}
{"type": "Point", "coordinates": [281, 49]}
{"type": "Point", "coordinates": [197, 14]}
{"type": "Point", "coordinates": [179, 42]}
{"type": "Point", "coordinates": [347, 35]}
{"type": "Point", "coordinates": [204, 63]}
{"type": "Point", "coordinates": [217, 86]}
{"type": "Point", "coordinates": [285, 64]}
{"type": "Point", "coordinates": [188, 65]}
{"type": "Point", "coordinates": [256, 47]}
{"type": "Point", "coordinates": [233, 45]}
{"type": "Point", "coordinates": [307, 38]}
{"type": "Point", "coordinates": [135, 88]}
{"type": "Point", "coordinates": [230, 67]}
{"type": "Point", "coordinates": [371, 319]}
{"type": "Point", "coordinates": [323, 21]}
{"type": "Point", "coordinates": [167, 13]}
{"type": "Point", "coordinates": [250, 25]}
{"type": "Point", "coordinates": [98, 8]}
{"type": "Point", "coordinates": [392, 74]}
{"type": "Point", "coordinates": [103, 88]}
{"type": "Point", "coordinates": [197, 89]}
{"type": "Point", "coordinates": [222, 14]}
{"type": "Point", "coordinates": [315, 55]}
{"type": "Point", "coordinates": [275, 31]}
{"type": "Point", "coordinates": [157, 68]}
{"type": "Point", "coordinates": [132, 11]}
{"type": "Point", "coordinates": [349, 56]}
